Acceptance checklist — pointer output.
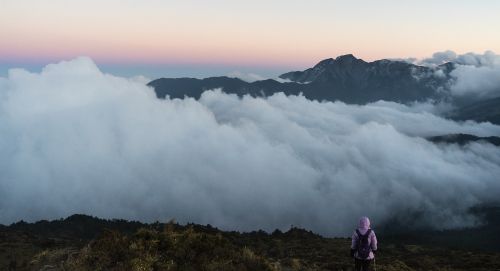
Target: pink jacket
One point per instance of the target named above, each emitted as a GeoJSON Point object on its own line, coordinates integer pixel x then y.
{"type": "Point", "coordinates": [364, 225]}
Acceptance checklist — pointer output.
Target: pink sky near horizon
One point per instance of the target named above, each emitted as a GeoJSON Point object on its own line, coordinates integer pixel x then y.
{"type": "Point", "coordinates": [259, 33]}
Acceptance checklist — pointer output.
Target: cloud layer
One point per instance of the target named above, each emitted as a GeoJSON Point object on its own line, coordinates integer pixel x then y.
{"type": "Point", "coordinates": [476, 76]}
{"type": "Point", "coordinates": [75, 140]}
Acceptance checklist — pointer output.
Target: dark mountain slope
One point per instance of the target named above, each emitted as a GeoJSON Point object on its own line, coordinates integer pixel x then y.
{"type": "Point", "coordinates": [353, 80]}
{"type": "Point", "coordinates": [191, 87]}
{"type": "Point", "coordinates": [487, 110]}
{"type": "Point", "coordinates": [345, 78]}
{"type": "Point", "coordinates": [463, 139]}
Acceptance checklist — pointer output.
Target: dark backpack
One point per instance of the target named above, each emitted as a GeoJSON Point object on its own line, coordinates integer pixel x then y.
{"type": "Point", "coordinates": [364, 247]}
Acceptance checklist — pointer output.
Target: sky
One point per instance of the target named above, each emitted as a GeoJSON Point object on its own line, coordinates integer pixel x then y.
{"type": "Point", "coordinates": [202, 38]}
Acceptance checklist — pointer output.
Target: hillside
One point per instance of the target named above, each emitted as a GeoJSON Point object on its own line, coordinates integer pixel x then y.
{"type": "Point", "coordinates": [81, 242]}
{"type": "Point", "coordinates": [485, 110]}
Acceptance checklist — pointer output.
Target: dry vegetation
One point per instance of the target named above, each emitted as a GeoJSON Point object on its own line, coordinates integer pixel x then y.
{"type": "Point", "coordinates": [120, 245]}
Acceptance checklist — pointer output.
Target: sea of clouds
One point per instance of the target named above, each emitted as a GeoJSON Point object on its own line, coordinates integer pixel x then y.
{"type": "Point", "coordinates": [76, 140]}
{"type": "Point", "coordinates": [475, 76]}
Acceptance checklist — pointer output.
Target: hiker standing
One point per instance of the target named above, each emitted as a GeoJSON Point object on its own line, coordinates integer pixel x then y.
{"type": "Point", "coordinates": [364, 245]}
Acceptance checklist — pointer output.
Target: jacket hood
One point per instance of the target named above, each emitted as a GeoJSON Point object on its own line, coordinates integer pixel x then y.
{"type": "Point", "coordinates": [364, 223]}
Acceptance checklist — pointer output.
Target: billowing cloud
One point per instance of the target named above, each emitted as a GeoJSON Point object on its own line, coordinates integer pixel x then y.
{"type": "Point", "coordinates": [75, 140]}
{"type": "Point", "coordinates": [488, 58]}
{"type": "Point", "coordinates": [141, 79]}
{"type": "Point", "coordinates": [475, 77]}
{"type": "Point", "coordinates": [476, 82]}
{"type": "Point", "coordinates": [438, 58]}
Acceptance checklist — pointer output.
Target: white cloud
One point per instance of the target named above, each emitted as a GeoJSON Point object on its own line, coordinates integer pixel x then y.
{"type": "Point", "coordinates": [141, 79]}
{"type": "Point", "coordinates": [439, 58]}
{"type": "Point", "coordinates": [488, 58]}
{"type": "Point", "coordinates": [252, 77]}
{"type": "Point", "coordinates": [247, 77]}
{"type": "Point", "coordinates": [281, 80]}
{"type": "Point", "coordinates": [476, 82]}
{"type": "Point", "coordinates": [75, 140]}
{"type": "Point", "coordinates": [475, 77]}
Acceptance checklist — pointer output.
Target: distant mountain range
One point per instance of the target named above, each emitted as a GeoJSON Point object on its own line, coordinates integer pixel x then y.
{"type": "Point", "coordinates": [463, 139]}
{"type": "Point", "coordinates": [347, 79]}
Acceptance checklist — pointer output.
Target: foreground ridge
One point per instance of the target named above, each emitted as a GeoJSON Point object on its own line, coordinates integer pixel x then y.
{"type": "Point", "coordinates": [81, 242]}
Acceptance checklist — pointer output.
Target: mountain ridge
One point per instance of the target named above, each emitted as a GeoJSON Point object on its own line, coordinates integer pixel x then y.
{"type": "Point", "coordinates": [347, 79]}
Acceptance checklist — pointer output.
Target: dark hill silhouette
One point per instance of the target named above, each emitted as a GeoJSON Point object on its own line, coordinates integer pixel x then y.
{"type": "Point", "coordinates": [463, 139]}
{"type": "Point", "coordinates": [345, 78]}
{"type": "Point", "coordinates": [191, 87]}
{"type": "Point", "coordinates": [353, 80]}
{"type": "Point", "coordinates": [81, 242]}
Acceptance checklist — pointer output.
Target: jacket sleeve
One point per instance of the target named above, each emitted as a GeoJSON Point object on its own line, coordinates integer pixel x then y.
{"type": "Point", "coordinates": [374, 242]}
{"type": "Point", "coordinates": [354, 242]}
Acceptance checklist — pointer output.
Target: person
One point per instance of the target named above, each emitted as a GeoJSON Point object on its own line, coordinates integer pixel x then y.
{"type": "Point", "coordinates": [364, 245]}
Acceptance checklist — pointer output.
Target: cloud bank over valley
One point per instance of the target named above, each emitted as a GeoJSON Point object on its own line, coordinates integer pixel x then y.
{"type": "Point", "coordinates": [76, 140]}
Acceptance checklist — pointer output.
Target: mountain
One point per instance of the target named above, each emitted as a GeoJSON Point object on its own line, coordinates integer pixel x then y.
{"type": "Point", "coordinates": [353, 80]}
{"type": "Point", "coordinates": [191, 87]}
{"type": "Point", "coordinates": [463, 139]}
{"type": "Point", "coordinates": [486, 110]}
{"type": "Point", "coordinates": [345, 78]}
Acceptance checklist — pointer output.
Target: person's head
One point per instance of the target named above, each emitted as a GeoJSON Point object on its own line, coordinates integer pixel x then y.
{"type": "Point", "coordinates": [364, 223]}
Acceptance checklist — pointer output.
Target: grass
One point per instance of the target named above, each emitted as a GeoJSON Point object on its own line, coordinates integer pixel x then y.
{"type": "Point", "coordinates": [116, 246]}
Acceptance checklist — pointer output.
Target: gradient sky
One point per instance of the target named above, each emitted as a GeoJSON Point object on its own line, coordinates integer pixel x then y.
{"type": "Point", "coordinates": [202, 38]}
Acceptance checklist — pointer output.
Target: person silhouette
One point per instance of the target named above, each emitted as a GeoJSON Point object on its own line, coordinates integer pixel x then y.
{"type": "Point", "coordinates": [363, 245]}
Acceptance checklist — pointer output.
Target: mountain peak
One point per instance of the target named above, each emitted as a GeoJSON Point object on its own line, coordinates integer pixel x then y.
{"type": "Point", "coordinates": [325, 62]}
{"type": "Point", "coordinates": [349, 58]}
{"type": "Point", "coordinates": [340, 60]}
{"type": "Point", "coordinates": [345, 78]}
{"type": "Point", "coordinates": [346, 57]}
